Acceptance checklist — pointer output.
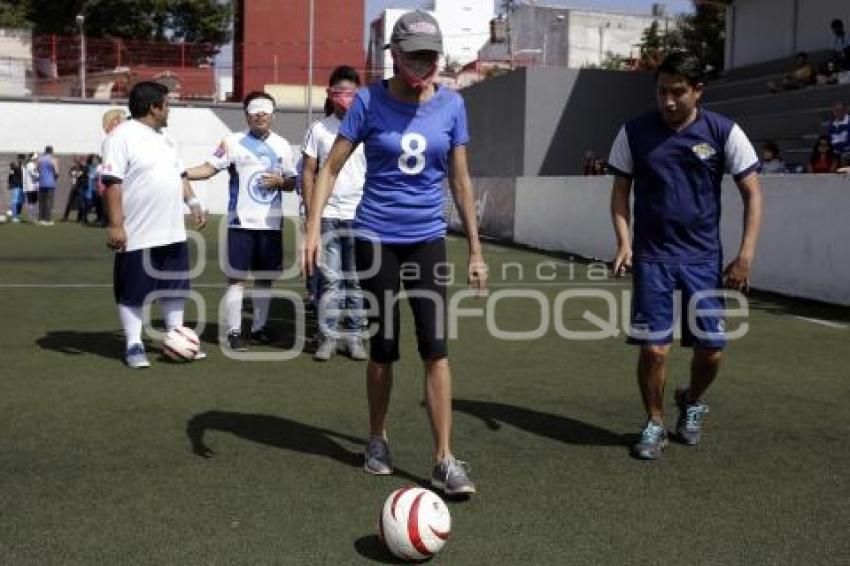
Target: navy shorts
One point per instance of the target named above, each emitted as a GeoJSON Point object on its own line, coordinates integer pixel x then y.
{"type": "Point", "coordinates": [132, 282]}
{"type": "Point", "coordinates": [254, 250]}
{"type": "Point", "coordinates": [663, 290]}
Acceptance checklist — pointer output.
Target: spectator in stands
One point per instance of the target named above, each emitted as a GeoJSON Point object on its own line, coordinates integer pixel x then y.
{"type": "Point", "coordinates": [598, 167]}
{"type": "Point", "coordinates": [771, 163]}
{"type": "Point", "coordinates": [823, 159]}
{"type": "Point", "coordinates": [839, 131]}
{"type": "Point", "coordinates": [801, 76]}
{"type": "Point", "coordinates": [840, 45]}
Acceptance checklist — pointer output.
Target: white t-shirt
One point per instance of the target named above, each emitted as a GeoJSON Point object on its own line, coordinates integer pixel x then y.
{"type": "Point", "coordinates": [30, 177]}
{"type": "Point", "coordinates": [348, 189]}
{"type": "Point", "coordinates": [146, 162]}
{"type": "Point", "coordinates": [251, 206]}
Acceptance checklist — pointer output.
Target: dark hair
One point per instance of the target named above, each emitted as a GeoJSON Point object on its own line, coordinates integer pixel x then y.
{"type": "Point", "coordinates": [837, 24]}
{"type": "Point", "coordinates": [682, 64]}
{"type": "Point", "coordinates": [22, 157]}
{"type": "Point", "coordinates": [254, 94]}
{"type": "Point", "coordinates": [772, 147]}
{"type": "Point", "coordinates": [145, 95]}
{"type": "Point", "coordinates": [816, 153]}
{"type": "Point", "coordinates": [344, 73]}
{"type": "Point", "coordinates": [90, 159]}
{"type": "Point", "coordinates": [48, 149]}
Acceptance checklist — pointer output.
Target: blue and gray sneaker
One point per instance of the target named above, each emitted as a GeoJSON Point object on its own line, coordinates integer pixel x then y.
{"type": "Point", "coordinates": [135, 357]}
{"type": "Point", "coordinates": [452, 476]}
{"type": "Point", "coordinates": [653, 439]}
{"type": "Point", "coordinates": [377, 460]}
{"type": "Point", "coordinates": [689, 423]}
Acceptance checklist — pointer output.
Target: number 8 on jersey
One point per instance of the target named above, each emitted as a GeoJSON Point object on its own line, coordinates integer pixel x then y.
{"type": "Point", "coordinates": [412, 159]}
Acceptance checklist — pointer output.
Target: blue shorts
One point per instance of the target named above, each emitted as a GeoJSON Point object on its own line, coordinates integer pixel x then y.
{"type": "Point", "coordinates": [663, 290]}
{"type": "Point", "coordinates": [132, 282]}
{"type": "Point", "coordinates": [255, 250]}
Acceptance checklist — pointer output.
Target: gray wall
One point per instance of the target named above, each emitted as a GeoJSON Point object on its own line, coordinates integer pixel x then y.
{"type": "Point", "coordinates": [496, 114]}
{"type": "Point", "coordinates": [534, 122]}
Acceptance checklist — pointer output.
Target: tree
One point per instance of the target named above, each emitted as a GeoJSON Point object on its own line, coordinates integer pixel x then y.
{"type": "Point", "coordinates": [193, 21]}
{"type": "Point", "coordinates": [13, 15]}
{"type": "Point", "coordinates": [704, 33]}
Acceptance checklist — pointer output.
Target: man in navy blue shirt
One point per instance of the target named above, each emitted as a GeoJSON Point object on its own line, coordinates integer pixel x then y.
{"type": "Point", "coordinates": [675, 159]}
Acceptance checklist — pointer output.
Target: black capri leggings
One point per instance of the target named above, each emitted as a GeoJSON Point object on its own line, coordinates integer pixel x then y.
{"type": "Point", "coordinates": [419, 267]}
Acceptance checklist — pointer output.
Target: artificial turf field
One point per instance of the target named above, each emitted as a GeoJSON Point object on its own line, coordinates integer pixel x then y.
{"type": "Point", "coordinates": [234, 462]}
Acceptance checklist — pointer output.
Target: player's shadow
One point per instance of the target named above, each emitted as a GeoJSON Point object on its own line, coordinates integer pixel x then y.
{"type": "Point", "coordinates": [371, 548]}
{"type": "Point", "coordinates": [107, 344]}
{"type": "Point", "coordinates": [548, 425]}
{"type": "Point", "coordinates": [279, 432]}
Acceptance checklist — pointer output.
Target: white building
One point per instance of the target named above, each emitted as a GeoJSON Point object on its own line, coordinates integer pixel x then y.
{"type": "Point", "coordinates": [465, 25]}
{"type": "Point", "coordinates": [564, 37]}
{"type": "Point", "coordinates": [758, 31]}
{"type": "Point", "coordinates": [15, 61]}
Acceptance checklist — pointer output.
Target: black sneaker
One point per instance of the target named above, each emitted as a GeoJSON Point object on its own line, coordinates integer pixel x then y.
{"type": "Point", "coordinates": [263, 336]}
{"type": "Point", "coordinates": [236, 342]}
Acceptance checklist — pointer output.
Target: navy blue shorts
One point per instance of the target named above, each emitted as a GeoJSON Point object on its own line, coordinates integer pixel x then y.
{"type": "Point", "coordinates": [255, 250]}
{"type": "Point", "coordinates": [654, 305]}
{"type": "Point", "coordinates": [132, 282]}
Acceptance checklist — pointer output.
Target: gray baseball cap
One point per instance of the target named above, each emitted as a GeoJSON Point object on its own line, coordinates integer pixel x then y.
{"type": "Point", "coordinates": [417, 31]}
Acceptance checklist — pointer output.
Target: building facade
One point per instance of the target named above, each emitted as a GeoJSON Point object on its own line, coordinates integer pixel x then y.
{"type": "Point", "coordinates": [272, 40]}
{"type": "Point", "coordinates": [564, 37]}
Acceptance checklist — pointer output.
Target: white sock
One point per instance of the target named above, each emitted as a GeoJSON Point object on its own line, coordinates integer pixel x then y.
{"type": "Point", "coordinates": [172, 311]}
{"type": "Point", "coordinates": [131, 322]}
{"type": "Point", "coordinates": [262, 303]}
{"type": "Point", "coordinates": [233, 302]}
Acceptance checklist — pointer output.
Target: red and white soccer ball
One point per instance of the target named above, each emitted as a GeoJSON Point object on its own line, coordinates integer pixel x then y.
{"type": "Point", "coordinates": [181, 344]}
{"type": "Point", "coordinates": [414, 523]}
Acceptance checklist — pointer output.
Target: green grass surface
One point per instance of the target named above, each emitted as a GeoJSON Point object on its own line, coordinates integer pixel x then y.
{"type": "Point", "coordinates": [97, 462]}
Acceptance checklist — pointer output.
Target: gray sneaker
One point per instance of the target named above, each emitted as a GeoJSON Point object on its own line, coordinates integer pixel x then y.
{"type": "Point", "coordinates": [653, 439]}
{"type": "Point", "coordinates": [377, 460]}
{"type": "Point", "coordinates": [689, 423]}
{"type": "Point", "coordinates": [135, 357]}
{"type": "Point", "coordinates": [325, 350]}
{"type": "Point", "coordinates": [452, 476]}
{"type": "Point", "coordinates": [354, 348]}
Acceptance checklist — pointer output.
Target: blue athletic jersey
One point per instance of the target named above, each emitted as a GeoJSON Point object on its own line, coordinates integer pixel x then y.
{"type": "Point", "coordinates": [46, 172]}
{"type": "Point", "coordinates": [407, 149]}
{"type": "Point", "coordinates": [677, 182]}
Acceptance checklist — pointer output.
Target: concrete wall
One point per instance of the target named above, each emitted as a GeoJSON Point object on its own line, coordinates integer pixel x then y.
{"type": "Point", "coordinates": [802, 251]}
{"type": "Point", "coordinates": [74, 128]}
{"type": "Point", "coordinates": [762, 30]}
{"type": "Point", "coordinates": [540, 121]}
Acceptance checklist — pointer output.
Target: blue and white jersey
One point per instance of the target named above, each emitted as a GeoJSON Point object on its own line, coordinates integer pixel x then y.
{"type": "Point", "coordinates": [839, 135]}
{"type": "Point", "coordinates": [407, 148]}
{"type": "Point", "coordinates": [251, 206]}
{"type": "Point", "coordinates": [677, 182]}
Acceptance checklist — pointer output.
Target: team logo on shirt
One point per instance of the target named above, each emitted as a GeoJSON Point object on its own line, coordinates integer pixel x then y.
{"type": "Point", "coordinates": [221, 150]}
{"type": "Point", "coordinates": [704, 151]}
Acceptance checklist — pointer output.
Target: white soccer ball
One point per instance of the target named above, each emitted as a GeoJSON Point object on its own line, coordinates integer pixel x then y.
{"type": "Point", "coordinates": [415, 523]}
{"type": "Point", "coordinates": [181, 344]}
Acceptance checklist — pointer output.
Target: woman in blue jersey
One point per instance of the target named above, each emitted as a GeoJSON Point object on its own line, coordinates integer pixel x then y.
{"type": "Point", "coordinates": [415, 135]}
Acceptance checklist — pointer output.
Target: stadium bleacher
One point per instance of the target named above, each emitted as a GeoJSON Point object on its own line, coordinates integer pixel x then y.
{"type": "Point", "coordinates": [793, 119]}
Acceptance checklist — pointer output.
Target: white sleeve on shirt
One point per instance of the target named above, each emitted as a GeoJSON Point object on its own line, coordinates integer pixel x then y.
{"type": "Point", "coordinates": [311, 146]}
{"type": "Point", "coordinates": [114, 153]}
{"type": "Point", "coordinates": [621, 154]}
{"type": "Point", "coordinates": [740, 154]}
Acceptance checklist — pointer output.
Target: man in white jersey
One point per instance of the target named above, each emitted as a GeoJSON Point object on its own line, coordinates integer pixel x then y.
{"type": "Point", "coordinates": [341, 296]}
{"type": "Point", "coordinates": [264, 167]}
{"type": "Point", "coordinates": [145, 196]}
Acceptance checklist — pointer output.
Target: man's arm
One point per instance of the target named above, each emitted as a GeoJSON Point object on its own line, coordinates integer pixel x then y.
{"type": "Point", "coordinates": [461, 186]}
{"type": "Point", "coordinates": [621, 216]}
{"type": "Point", "coordinates": [737, 274]}
{"type": "Point", "coordinates": [308, 181]}
{"type": "Point", "coordinates": [116, 236]}
{"type": "Point", "coordinates": [194, 204]}
{"type": "Point", "coordinates": [201, 172]}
